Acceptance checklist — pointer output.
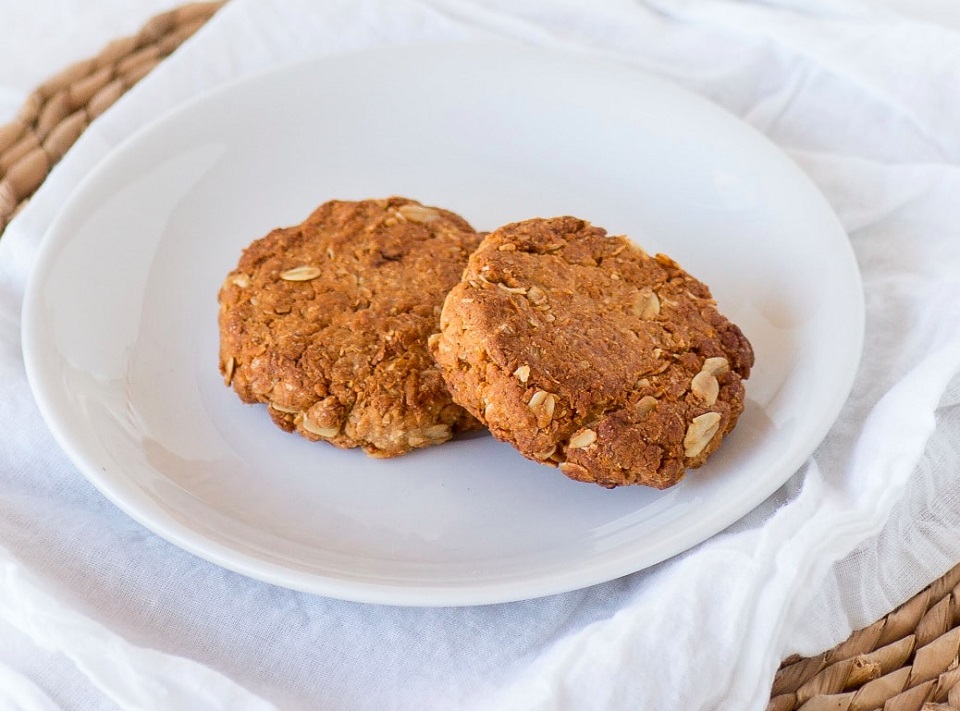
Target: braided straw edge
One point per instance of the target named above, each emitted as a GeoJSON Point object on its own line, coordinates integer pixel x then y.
{"type": "Point", "coordinates": [907, 661]}
{"type": "Point", "coordinates": [57, 112]}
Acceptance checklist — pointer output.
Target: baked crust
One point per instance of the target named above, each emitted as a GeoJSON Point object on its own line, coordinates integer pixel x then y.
{"type": "Point", "coordinates": [326, 322]}
{"type": "Point", "coordinates": [583, 351]}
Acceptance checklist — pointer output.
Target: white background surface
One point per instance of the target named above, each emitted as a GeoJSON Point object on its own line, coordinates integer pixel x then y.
{"type": "Point", "coordinates": [40, 37]}
{"type": "Point", "coordinates": [96, 613]}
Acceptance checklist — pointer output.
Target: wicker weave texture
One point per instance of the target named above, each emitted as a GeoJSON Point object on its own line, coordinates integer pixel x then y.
{"type": "Point", "coordinates": [58, 111]}
{"type": "Point", "coordinates": [907, 661]}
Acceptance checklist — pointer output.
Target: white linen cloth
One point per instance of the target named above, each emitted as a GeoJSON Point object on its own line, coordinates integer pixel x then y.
{"type": "Point", "coordinates": [98, 613]}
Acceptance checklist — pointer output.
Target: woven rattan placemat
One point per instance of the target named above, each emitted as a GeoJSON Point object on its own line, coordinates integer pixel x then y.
{"type": "Point", "coordinates": [907, 661]}
{"type": "Point", "coordinates": [58, 111]}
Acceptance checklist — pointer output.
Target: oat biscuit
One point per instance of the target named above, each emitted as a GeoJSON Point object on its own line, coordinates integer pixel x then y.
{"type": "Point", "coordinates": [327, 323]}
{"type": "Point", "coordinates": [584, 352]}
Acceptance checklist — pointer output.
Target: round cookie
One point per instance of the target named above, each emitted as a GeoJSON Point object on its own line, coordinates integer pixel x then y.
{"type": "Point", "coordinates": [327, 323]}
{"type": "Point", "coordinates": [583, 351]}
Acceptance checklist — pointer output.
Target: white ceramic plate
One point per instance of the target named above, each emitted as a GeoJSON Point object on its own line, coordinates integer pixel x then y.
{"type": "Point", "coordinates": [120, 332]}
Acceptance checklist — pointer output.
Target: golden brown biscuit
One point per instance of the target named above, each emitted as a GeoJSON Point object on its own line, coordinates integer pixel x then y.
{"type": "Point", "coordinates": [327, 324]}
{"type": "Point", "coordinates": [581, 350]}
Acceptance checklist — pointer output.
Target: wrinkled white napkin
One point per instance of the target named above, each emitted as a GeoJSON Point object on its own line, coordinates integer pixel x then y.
{"type": "Point", "coordinates": [98, 613]}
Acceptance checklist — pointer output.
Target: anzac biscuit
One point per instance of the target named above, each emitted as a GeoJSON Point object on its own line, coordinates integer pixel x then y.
{"type": "Point", "coordinates": [584, 352]}
{"type": "Point", "coordinates": [327, 324]}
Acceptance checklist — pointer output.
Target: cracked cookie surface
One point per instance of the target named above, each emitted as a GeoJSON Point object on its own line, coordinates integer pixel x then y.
{"type": "Point", "coordinates": [327, 323]}
{"type": "Point", "coordinates": [586, 353]}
